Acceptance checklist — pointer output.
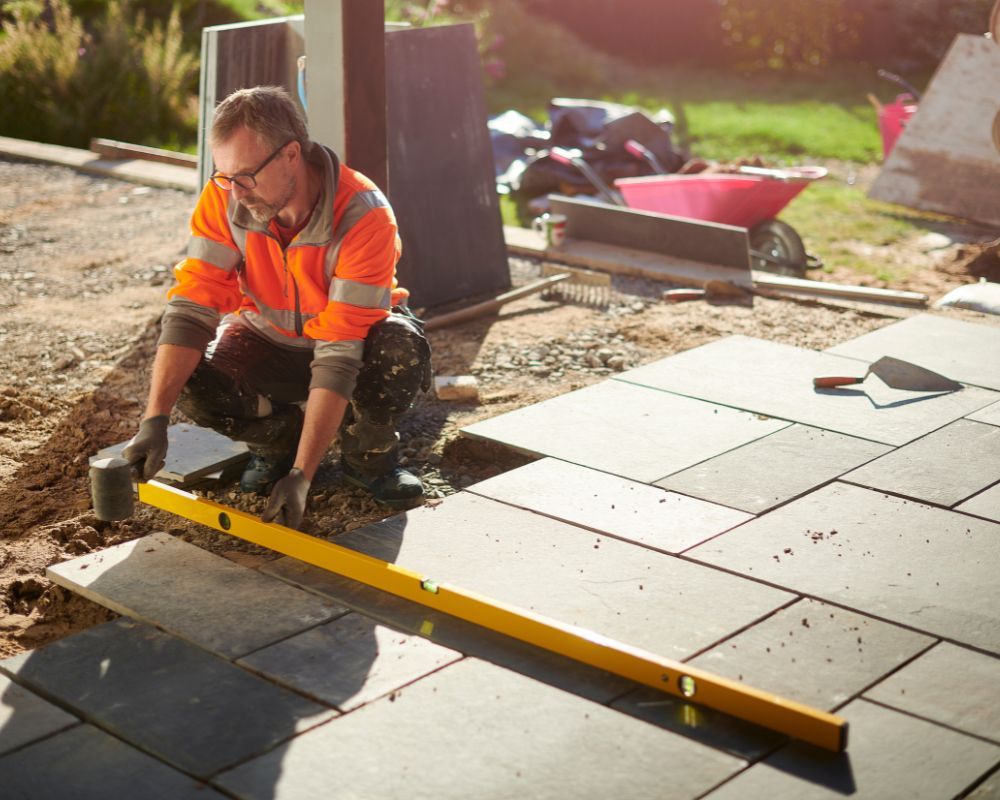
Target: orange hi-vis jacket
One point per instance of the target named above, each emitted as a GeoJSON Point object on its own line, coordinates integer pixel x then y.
{"type": "Point", "coordinates": [323, 292]}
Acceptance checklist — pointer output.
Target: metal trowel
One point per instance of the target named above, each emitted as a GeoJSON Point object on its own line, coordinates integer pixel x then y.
{"type": "Point", "coordinates": [897, 374]}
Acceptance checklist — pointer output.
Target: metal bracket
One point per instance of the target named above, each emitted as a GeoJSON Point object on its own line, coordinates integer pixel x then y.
{"type": "Point", "coordinates": [761, 708]}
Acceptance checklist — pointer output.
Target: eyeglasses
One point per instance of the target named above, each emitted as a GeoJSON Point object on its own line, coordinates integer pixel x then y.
{"type": "Point", "coordinates": [245, 180]}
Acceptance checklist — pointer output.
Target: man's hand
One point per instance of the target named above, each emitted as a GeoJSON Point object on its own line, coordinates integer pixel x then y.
{"type": "Point", "coordinates": [287, 503]}
{"type": "Point", "coordinates": [148, 449]}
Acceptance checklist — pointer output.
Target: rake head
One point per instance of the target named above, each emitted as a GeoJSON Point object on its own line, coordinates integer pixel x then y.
{"type": "Point", "coordinates": [584, 286]}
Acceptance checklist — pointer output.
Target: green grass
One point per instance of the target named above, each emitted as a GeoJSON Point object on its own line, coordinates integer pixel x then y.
{"type": "Point", "coordinates": [724, 116]}
{"type": "Point", "coordinates": [831, 216]}
{"type": "Point", "coordinates": [786, 119]}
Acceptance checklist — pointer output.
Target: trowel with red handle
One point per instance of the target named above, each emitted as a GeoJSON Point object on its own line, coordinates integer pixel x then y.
{"type": "Point", "coordinates": [897, 374]}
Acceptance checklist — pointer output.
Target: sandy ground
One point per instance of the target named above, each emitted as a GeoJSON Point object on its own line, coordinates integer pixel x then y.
{"type": "Point", "coordinates": [84, 266]}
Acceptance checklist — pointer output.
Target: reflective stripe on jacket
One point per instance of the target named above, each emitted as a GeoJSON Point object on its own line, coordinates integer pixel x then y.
{"type": "Point", "coordinates": [333, 282]}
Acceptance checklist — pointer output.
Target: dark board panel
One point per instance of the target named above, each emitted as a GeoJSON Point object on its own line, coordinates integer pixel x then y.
{"type": "Point", "coordinates": [441, 182]}
{"type": "Point", "coordinates": [708, 242]}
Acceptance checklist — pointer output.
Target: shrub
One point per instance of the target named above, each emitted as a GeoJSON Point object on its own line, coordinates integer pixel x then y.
{"type": "Point", "coordinates": [125, 80]}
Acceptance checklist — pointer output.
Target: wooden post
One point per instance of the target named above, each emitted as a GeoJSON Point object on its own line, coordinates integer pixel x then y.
{"type": "Point", "coordinates": [345, 75]}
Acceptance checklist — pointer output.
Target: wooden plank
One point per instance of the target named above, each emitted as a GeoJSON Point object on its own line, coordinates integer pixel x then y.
{"type": "Point", "coordinates": [149, 173]}
{"type": "Point", "coordinates": [655, 266]}
{"type": "Point", "coordinates": [945, 160]}
{"type": "Point", "coordinates": [769, 280]}
{"type": "Point", "coordinates": [686, 239]}
{"type": "Point", "coordinates": [109, 148]}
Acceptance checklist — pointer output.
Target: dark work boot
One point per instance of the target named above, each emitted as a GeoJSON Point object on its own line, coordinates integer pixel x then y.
{"type": "Point", "coordinates": [394, 487]}
{"type": "Point", "coordinates": [263, 471]}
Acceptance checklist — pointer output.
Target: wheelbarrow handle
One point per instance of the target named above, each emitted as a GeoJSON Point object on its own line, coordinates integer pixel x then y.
{"type": "Point", "coordinates": [831, 382]}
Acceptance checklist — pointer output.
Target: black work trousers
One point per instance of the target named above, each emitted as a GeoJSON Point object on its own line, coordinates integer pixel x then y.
{"type": "Point", "coordinates": [252, 390]}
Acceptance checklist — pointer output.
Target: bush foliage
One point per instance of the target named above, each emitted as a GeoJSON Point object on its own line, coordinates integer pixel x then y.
{"type": "Point", "coordinates": [123, 79]}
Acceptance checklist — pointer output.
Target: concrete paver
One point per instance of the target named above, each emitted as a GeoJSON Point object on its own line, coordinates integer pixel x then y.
{"type": "Point", "coordinates": [944, 467]}
{"type": "Point", "coordinates": [454, 633]}
{"type": "Point", "coordinates": [192, 453]}
{"type": "Point", "coordinates": [814, 653]}
{"type": "Point", "coordinates": [889, 755]}
{"type": "Point", "coordinates": [153, 579]}
{"type": "Point", "coordinates": [951, 685]}
{"type": "Point", "coordinates": [476, 730]}
{"type": "Point", "coordinates": [619, 507]}
{"type": "Point", "coordinates": [85, 763]}
{"type": "Point", "coordinates": [773, 470]}
{"type": "Point", "coordinates": [989, 789]}
{"type": "Point", "coordinates": [985, 504]}
{"type": "Point", "coordinates": [963, 351]}
{"type": "Point", "coordinates": [25, 717]}
{"type": "Point", "coordinates": [776, 379]}
{"type": "Point", "coordinates": [916, 565]}
{"type": "Point", "coordinates": [990, 414]}
{"type": "Point", "coordinates": [701, 724]}
{"type": "Point", "coordinates": [626, 430]}
{"type": "Point", "coordinates": [641, 597]}
{"type": "Point", "coordinates": [350, 661]}
{"type": "Point", "coordinates": [191, 709]}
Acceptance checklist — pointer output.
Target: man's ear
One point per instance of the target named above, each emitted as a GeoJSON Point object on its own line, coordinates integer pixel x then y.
{"type": "Point", "coordinates": [294, 152]}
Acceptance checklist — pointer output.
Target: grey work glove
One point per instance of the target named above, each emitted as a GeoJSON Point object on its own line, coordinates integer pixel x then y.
{"type": "Point", "coordinates": [287, 502]}
{"type": "Point", "coordinates": [147, 452]}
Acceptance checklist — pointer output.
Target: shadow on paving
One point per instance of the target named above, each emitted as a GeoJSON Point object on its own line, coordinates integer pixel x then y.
{"type": "Point", "coordinates": [161, 716]}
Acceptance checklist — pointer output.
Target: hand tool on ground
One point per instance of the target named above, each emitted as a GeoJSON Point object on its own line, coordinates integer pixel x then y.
{"type": "Point", "coordinates": [490, 306]}
{"type": "Point", "coordinates": [588, 647]}
{"type": "Point", "coordinates": [897, 374]}
{"type": "Point", "coordinates": [558, 282]}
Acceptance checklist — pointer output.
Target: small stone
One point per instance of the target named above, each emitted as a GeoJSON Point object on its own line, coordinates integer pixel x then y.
{"type": "Point", "coordinates": [434, 458]}
{"type": "Point", "coordinates": [617, 363]}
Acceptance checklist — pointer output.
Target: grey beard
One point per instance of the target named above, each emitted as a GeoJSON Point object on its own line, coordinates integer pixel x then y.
{"type": "Point", "coordinates": [263, 212]}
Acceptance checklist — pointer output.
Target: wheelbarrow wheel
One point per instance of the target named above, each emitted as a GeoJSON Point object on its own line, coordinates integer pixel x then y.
{"type": "Point", "coordinates": [776, 247]}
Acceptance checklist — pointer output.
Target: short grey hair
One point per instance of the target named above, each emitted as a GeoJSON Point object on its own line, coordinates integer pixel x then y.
{"type": "Point", "coordinates": [268, 111]}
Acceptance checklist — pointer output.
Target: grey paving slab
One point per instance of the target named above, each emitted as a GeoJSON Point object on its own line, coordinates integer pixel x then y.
{"type": "Point", "coordinates": [701, 724]}
{"type": "Point", "coordinates": [985, 504]}
{"type": "Point", "coordinates": [626, 430]}
{"type": "Point", "coordinates": [169, 698]}
{"type": "Point", "coordinates": [350, 661]}
{"type": "Point", "coordinates": [950, 685]}
{"type": "Point", "coordinates": [154, 579]}
{"type": "Point", "coordinates": [476, 730]}
{"type": "Point", "coordinates": [85, 763]}
{"type": "Point", "coordinates": [990, 414]}
{"type": "Point", "coordinates": [638, 596]}
{"type": "Point", "coordinates": [889, 755]}
{"type": "Point", "coordinates": [454, 633]}
{"type": "Point", "coordinates": [773, 470]}
{"type": "Point", "coordinates": [944, 467]}
{"type": "Point", "coordinates": [963, 351]}
{"type": "Point", "coordinates": [616, 506]}
{"type": "Point", "coordinates": [815, 653]}
{"type": "Point", "coordinates": [192, 453]}
{"type": "Point", "coordinates": [989, 789]}
{"type": "Point", "coordinates": [25, 717]}
{"type": "Point", "coordinates": [924, 567]}
{"type": "Point", "coordinates": [776, 379]}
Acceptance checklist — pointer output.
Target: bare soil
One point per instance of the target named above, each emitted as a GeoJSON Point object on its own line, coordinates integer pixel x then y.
{"type": "Point", "coordinates": [84, 266]}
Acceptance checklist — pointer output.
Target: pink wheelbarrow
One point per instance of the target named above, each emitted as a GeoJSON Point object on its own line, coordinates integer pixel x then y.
{"type": "Point", "coordinates": [750, 198]}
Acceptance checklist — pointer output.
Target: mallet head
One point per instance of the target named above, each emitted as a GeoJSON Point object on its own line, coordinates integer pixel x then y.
{"type": "Point", "coordinates": [111, 489]}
